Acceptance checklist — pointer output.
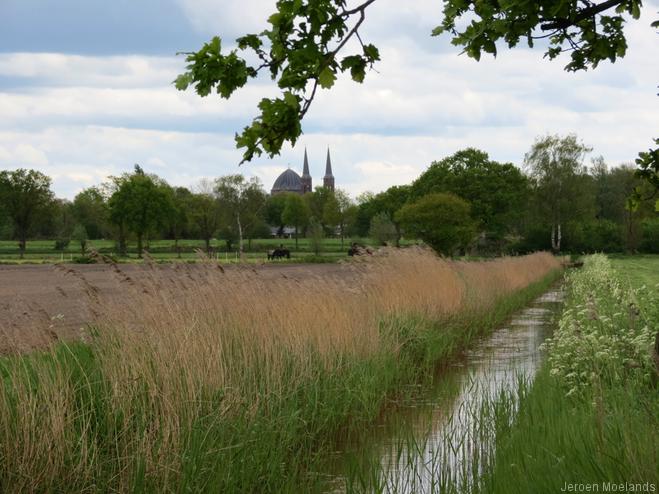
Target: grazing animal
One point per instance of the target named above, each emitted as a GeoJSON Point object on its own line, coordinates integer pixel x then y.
{"type": "Point", "coordinates": [359, 250]}
{"type": "Point", "coordinates": [279, 253]}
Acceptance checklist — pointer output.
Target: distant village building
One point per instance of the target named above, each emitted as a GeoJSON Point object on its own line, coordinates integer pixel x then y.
{"type": "Point", "coordinates": [290, 181]}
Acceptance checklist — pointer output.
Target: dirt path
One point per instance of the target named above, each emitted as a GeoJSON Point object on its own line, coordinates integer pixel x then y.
{"type": "Point", "coordinates": [42, 303]}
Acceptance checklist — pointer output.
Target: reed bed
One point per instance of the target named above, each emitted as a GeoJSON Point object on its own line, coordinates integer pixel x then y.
{"type": "Point", "coordinates": [200, 379]}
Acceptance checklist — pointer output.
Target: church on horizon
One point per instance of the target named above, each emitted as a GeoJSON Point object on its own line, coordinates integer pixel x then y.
{"type": "Point", "coordinates": [290, 181]}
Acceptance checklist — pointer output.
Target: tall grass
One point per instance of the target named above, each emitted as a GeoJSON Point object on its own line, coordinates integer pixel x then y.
{"type": "Point", "coordinates": [205, 380]}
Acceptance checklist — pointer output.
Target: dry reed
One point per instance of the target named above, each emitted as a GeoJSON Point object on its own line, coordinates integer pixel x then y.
{"type": "Point", "coordinates": [180, 337]}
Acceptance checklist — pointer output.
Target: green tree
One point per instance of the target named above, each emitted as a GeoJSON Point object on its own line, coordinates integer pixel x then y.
{"type": "Point", "coordinates": [316, 234]}
{"type": "Point", "coordinates": [296, 214]}
{"type": "Point", "coordinates": [365, 212]}
{"type": "Point", "coordinates": [590, 32]}
{"type": "Point", "coordinates": [274, 207]}
{"type": "Point", "coordinates": [390, 202]}
{"type": "Point", "coordinates": [648, 170]}
{"type": "Point", "coordinates": [90, 209]}
{"type": "Point", "coordinates": [441, 220]}
{"type": "Point", "coordinates": [257, 229]}
{"type": "Point", "coordinates": [25, 196]}
{"type": "Point", "coordinates": [383, 229]}
{"type": "Point", "coordinates": [650, 242]}
{"type": "Point", "coordinates": [496, 191]}
{"type": "Point", "coordinates": [80, 236]}
{"type": "Point", "coordinates": [5, 224]}
{"type": "Point", "coordinates": [387, 202]}
{"type": "Point", "coordinates": [59, 223]}
{"type": "Point", "coordinates": [141, 203]}
{"type": "Point", "coordinates": [612, 189]}
{"type": "Point", "coordinates": [204, 213]}
{"type": "Point", "coordinates": [178, 220]}
{"type": "Point", "coordinates": [118, 212]}
{"type": "Point", "coordinates": [241, 201]}
{"type": "Point", "coordinates": [316, 201]}
{"type": "Point", "coordinates": [561, 183]}
{"type": "Point", "coordinates": [302, 50]}
{"type": "Point", "coordinates": [339, 212]}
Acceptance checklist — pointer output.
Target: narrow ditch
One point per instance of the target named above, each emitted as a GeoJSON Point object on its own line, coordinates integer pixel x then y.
{"type": "Point", "coordinates": [435, 442]}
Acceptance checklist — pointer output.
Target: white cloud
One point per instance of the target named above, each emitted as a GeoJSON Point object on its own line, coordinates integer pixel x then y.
{"type": "Point", "coordinates": [57, 69]}
{"type": "Point", "coordinates": [71, 117]}
{"type": "Point", "coordinates": [229, 19]}
{"type": "Point", "coordinates": [22, 155]}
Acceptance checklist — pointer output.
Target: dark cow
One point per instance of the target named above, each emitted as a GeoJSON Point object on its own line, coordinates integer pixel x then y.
{"type": "Point", "coordinates": [279, 253]}
{"type": "Point", "coordinates": [359, 250]}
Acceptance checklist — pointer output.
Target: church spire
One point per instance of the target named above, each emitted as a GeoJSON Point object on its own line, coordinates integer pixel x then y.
{"type": "Point", "coordinates": [328, 165]}
{"type": "Point", "coordinates": [305, 169]}
{"type": "Point", "coordinates": [306, 176]}
{"type": "Point", "coordinates": [328, 179]}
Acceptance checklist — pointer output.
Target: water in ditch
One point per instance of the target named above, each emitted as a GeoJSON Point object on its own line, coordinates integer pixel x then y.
{"type": "Point", "coordinates": [439, 441]}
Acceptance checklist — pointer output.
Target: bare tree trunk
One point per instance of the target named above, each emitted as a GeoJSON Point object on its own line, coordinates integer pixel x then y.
{"type": "Point", "coordinates": [240, 235]}
{"type": "Point", "coordinates": [556, 237]}
{"type": "Point", "coordinates": [176, 247]}
{"type": "Point", "coordinates": [122, 240]}
{"type": "Point", "coordinates": [21, 246]}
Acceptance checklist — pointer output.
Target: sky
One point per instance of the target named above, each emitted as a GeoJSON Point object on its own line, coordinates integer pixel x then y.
{"type": "Point", "coordinates": [86, 91]}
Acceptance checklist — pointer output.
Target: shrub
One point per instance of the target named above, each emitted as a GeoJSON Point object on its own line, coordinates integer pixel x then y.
{"type": "Point", "coordinates": [316, 235]}
{"type": "Point", "coordinates": [382, 229]}
{"type": "Point", "coordinates": [441, 220]}
{"type": "Point", "coordinates": [61, 243]}
{"type": "Point", "coordinates": [84, 260]}
{"type": "Point", "coordinates": [650, 242]}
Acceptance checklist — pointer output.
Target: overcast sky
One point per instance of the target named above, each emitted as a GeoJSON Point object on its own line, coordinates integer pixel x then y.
{"type": "Point", "coordinates": [85, 92]}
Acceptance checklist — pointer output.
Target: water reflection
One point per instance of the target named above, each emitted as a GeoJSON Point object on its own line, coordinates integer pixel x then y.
{"type": "Point", "coordinates": [439, 441]}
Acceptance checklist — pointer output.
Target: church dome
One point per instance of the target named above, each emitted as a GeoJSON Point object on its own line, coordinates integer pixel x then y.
{"type": "Point", "coordinates": [289, 181]}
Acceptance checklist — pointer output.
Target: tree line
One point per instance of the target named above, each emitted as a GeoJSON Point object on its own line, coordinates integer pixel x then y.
{"type": "Point", "coordinates": [140, 206]}
{"type": "Point", "coordinates": [463, 203]}
{"type": "Point", "coordinates": [469, 203]}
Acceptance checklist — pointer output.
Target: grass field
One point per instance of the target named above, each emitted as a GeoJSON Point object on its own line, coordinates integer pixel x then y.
{"type": "Point", "coordinates": [591, 418]}
{"type": "Point", "coordinates": [223, 389]}
{"type": "Point", "coordinates": [638, 270]}
{"type": "Point", "coordinates": [43, 250]}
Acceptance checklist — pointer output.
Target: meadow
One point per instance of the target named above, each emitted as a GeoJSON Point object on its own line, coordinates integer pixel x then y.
{"type": "Point", "coordinates": [43, 251]}
{"type": "Point", "coordinates": [638, 270]}
{"type": "Point", "coordinates": [592, 415]}
{"type": "Point", "coordinates": [230, 383]}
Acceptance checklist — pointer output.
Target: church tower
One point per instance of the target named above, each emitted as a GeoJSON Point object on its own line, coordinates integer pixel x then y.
{"type": "Point", "coordinates": [306, 177]}
{"type": "Point", "coordinates": [328, 179]}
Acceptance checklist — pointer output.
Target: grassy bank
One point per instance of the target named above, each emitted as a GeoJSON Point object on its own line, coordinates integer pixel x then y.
{"type": "Point", "coordinates": [592, 415]}
{"type": "Point", "coordinates": [238, 386]}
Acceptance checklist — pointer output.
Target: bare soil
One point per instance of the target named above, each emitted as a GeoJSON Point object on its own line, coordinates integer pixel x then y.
{"type": "Point", "coordinates": [40, 304]}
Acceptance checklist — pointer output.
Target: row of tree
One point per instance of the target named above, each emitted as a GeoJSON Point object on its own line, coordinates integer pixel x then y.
{"type": "Point", "coordinates": [469, 202]}
{"type": "Point", "coordinates": [465, 202]}
{"type": "Point", "coordinates": [142, 206]}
